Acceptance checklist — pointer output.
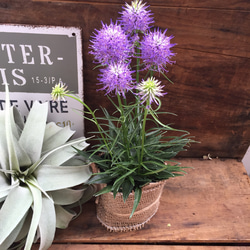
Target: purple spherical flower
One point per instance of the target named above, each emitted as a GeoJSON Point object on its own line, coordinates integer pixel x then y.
{"type": "Point", "coordinates": [110, 44]}
{"type": "Point", "coordinates": [116, 77]}
{"type": "Point", "coordinates": [156, 50]}
{"type": "Point", "coordinates": [136, 17]}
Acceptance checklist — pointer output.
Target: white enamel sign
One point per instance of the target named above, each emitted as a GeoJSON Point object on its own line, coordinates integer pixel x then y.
{"type": "Point", "coordinates": [35, 58]}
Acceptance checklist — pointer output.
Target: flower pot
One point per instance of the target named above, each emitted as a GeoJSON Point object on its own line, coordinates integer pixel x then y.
{"type": "Point", "coordinates": [114, 213]}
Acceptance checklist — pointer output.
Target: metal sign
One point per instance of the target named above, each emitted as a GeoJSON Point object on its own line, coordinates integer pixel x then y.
{"type": "Point", "coordinates": [35, 58]}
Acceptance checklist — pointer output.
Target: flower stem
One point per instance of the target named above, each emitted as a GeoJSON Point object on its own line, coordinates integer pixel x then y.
{"type": "Point", "coordinates": [124, 128]}
{"type": "Point", "coordinates": [94, 120]}
{"type": "Point", "coordinates": [143, 131]}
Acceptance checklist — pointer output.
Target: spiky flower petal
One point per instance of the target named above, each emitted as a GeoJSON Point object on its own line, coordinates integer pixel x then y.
{"type": "Point", "coordinates": [116, 77]}
{"type": "Point", "coordinates": [149, 90]}
{"type": "Point", "coordinates": [136, 17]}
{"type": "Point", "coordinates": [156, 50]}
{"type": "Point", "coordinates": [110, 44]}
{"type": "Point", "coordinates": [59, 91]}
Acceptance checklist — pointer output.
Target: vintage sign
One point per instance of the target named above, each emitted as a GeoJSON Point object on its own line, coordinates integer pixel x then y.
{"type": "Point", "coordinates": [35, 58]}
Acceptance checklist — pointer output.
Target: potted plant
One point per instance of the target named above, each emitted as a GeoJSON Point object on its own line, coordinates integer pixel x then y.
{"type": "Point", "coordinates": [133, 149]}
{"type": "Point", "coordinates": [38, 170]}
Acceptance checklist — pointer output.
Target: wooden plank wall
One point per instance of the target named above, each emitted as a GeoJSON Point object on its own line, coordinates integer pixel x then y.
{"type": "Point", "coordinates": [212, 70]}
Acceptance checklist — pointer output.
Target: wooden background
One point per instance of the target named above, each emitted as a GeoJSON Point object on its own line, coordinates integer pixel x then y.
{"type": "Point", "coordinates": [211, 94]}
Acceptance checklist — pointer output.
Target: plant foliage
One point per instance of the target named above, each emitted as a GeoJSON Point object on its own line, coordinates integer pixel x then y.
{"type": "Point", "coordinates": [133, 147]}
{"type": "Point", "coordinates": [38, 169]}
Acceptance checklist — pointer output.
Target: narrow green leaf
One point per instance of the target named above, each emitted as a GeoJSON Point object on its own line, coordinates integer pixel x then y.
{"type": "Point", "coordinates": [120, 180]}
{"type": "Point", "coordinates": [137, 199]}
{"type": "Point", "coordinates": [127, 188]}
{"type": "Point", "coordinates": [105, 190]}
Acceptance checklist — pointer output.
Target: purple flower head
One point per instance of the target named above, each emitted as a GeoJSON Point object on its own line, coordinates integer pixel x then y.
{"type": "Point", "coordinates": [150, 90]}
{"type": "Point", "coordinates": [110, 44]}
{"type": "Point", "coordinates": [116, 77]}
{"type": "Point", "coordinates": [136, 17]}
{"type": "Point", "coordinates": [156, 50]}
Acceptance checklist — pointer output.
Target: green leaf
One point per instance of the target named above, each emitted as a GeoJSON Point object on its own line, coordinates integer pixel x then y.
{"type": "Point", "coordinates": [120, 180]}
{"type": "Point", "coordinates": [127, 188]}
{"type": "Point", "coordinates": [13, 210]}
{"type": "Point", "coordinates": [51, 178]}
{"type": "Point", "coordinates": [32, 135]}
{"type": "Point", "coordinates": [105, 190]}
{"type": "Point", "coordinates": [137, 199]}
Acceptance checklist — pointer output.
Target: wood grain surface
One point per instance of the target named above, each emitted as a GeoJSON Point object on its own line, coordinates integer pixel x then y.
{"type": "Point", "coordinates": [139, 247]}
{"type": "Point", "coordinates": [211, 74]}
{"type": "Point", "coordinates": [210, 205]}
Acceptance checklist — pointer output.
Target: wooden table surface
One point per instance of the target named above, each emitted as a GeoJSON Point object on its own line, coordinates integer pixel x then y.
{"type": "Point", "coordinates": [209, 208]}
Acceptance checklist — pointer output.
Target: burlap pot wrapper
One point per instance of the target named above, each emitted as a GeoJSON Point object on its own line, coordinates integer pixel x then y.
{"type": "Point", "coordinates": [114, 213]}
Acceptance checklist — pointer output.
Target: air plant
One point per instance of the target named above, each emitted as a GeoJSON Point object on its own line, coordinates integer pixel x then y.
{"type": "Point", "coordinates": [39, 172]}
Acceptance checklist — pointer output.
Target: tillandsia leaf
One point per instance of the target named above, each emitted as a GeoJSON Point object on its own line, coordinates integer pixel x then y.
{"type": "Point", "coordinates": [13, 210]}
{"type": "Point", "coordinates": [66, 196]}
{"type": "Point", "coordinates": [5, 187]}
{"type": "Point", "coordinates": [61, 154]}
{"type": "Point", "coordinates": [18, 122]}
{"type": "Point", "coordinates": [23, 158]}
{"type": "Point", "coordinates": [25, 228]}
{"type": "Point", "coordinates": [4, 159]}
{"type": "Point", "coordinates": [88, 194]}
{"type": "Point", "coordinates": [37, 210]}
{"type": "Point", "coordinates": [33, 131]}
{"type": "Point", "coordinates": [63, 217]}
{"type": "Point", "coordinates": [47, 224]}
{"type": "Point", "coordinates": [13, 161]}
{"type": "Point", "coordinates": [27, 210]}
{"type": "Point", "coordinates": [60, 177]}
{"type": "Point", "coordinates": [55, 136]}
{"type": "Point", "coordinates": [11, 238]}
